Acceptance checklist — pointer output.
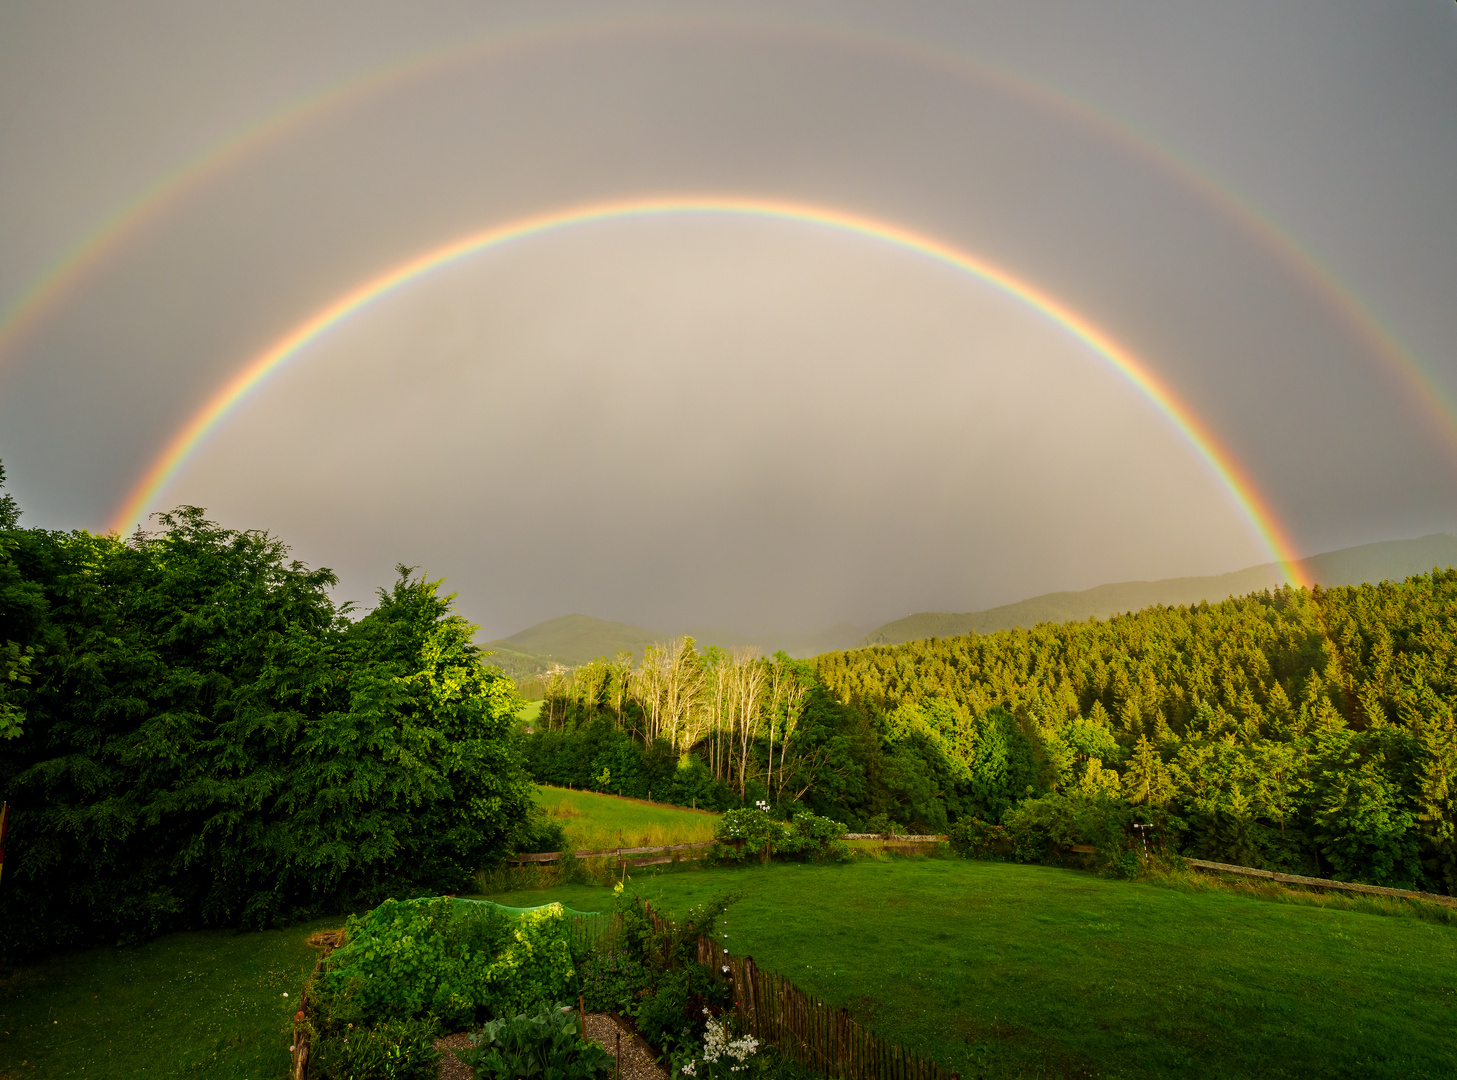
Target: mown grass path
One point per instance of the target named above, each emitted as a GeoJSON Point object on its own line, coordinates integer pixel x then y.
{"type": "Point", "coordinates": [1000, 970]}
{"type": "Point", "coordinates": [203, 1004]}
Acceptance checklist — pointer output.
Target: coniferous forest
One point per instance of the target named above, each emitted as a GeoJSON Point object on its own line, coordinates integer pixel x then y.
{"type": "Point", "coordinates": [1310, 731]}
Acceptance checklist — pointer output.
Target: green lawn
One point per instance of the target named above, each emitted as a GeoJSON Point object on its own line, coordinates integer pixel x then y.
{"type": "Point", "coordinates": [201, 1004]}
{"type": "Point", "coordinates": [1002, 970]}
{"type": "Point", "coordinates": [603, 821]}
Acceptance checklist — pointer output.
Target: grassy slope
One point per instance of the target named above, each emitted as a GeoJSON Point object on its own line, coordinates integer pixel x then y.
{"type": "Point", "coordinates": [602, 821]}
{"type": "Point", "coordinates": [1003, 970]}
{"type": "Point", "coordinates": [207, 1003]}
{"type": "Point", "coordinates": [1389, 560]}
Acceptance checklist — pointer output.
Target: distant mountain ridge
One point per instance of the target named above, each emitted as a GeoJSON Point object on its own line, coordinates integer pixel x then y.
{"type": "Point", "coordinates": [1387, 560]}
{"type": "Point", "coordinates": [572, 640]}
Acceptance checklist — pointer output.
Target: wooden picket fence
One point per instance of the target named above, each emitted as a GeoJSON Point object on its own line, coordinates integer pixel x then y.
{"type": "Point", "coordinates": [805, 1029]}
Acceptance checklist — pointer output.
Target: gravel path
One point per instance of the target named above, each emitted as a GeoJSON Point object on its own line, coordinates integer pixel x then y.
{"type": "Point", "coordinates": [637, 1056]}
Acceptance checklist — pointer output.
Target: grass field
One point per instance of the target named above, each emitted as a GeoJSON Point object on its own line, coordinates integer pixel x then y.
{"type": "Point", "coordinates": [186, 1005]}
{"type": "Point", "coordinates": [1001, 970]}
{"type": "Point", "coordinates": [604, 821]}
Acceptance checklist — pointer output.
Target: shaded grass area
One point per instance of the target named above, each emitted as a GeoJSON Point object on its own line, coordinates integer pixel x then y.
{"type": "Point", "coordinates": [1002, 970]}
{"type": "Point", "coordinates": [204, 1003]}
{"type": "Point", "coordinates": [603, 821]}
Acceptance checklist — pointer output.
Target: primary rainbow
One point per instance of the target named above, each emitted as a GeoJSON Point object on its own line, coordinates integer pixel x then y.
{"type": "Point", "coordinates": [1216, 457]}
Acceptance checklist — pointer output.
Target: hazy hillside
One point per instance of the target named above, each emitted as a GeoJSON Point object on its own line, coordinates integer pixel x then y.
{"type": "Point", "coordinates": [1388, 560]}
{"type": "Point", "coordinates": [574, 639]}
{"type": "Point", "coordinates": [569, 640]}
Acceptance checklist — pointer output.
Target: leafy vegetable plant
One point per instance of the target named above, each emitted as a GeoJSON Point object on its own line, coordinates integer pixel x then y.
{"type": "Point", "coordinates": [546, 1044]}
{"type": "Point", "coordinates": [457, 960]}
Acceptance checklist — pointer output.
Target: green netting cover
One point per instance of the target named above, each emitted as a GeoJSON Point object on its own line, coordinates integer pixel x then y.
{"type": "Point", "coordinates": [524, 910]}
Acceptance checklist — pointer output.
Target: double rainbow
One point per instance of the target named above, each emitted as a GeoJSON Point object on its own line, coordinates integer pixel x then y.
{"type": "Point", "coordinates": [46, 295]}
{"type": "Point", "coordinates": [185, 442]}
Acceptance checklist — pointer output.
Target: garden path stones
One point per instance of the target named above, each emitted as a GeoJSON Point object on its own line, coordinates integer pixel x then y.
{"type": "Point", "coordinates": [451, 1067]}
{"type": "Point", "coordinates": [638, 1060]}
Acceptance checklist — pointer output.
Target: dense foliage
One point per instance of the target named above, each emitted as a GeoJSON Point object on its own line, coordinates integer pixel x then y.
{"type": "Point", "coordinates": [612, 980]}
{"type": "Point", "coordinates": [1304, 730]}
{"type": "Point", "coordinates": [458, 960]}
{"type": "Point", "coordinates": [1310, 731]}
{"type": "Point", "coordinates": [402, 1050]}
{"type": "Point", "coordinates": [199, 736]}
{"type": "Point", "coordinates": [680, 994]}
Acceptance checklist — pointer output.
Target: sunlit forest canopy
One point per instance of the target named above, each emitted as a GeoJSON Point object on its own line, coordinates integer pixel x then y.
{"type": "Point", "coordinates": [1307, 730]}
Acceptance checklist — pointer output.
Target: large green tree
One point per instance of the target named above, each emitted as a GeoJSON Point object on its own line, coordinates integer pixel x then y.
{"type": "Point", "coordinates": [206, 739]}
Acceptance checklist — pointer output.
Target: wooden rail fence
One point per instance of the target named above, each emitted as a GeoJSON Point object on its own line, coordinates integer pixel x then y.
{"type": "Point", "coordinates": [625, 853]}
{"type": "Point", "coordinates": [894, 838]}
{"type": "Point", "coordinates": [1324, 883]}
{"type": "Point", "coordinates": [621, 853]}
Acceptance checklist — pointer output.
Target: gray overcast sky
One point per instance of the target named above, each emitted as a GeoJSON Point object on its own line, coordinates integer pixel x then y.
{"type": "Point", "coordinates": [743, 422]}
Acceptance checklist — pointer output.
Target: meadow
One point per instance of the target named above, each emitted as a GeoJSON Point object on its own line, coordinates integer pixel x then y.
{"type": "Point", "coordinates": [203, 1003]}
{"type": "Point", "coordinates": [595, 821]}
{"type": "Point", "coordinates": [993, 969]}
{"type": "Point", "coordinates": [210, 1003]}
{"type": "Point", "coordinates": [1002, 970]}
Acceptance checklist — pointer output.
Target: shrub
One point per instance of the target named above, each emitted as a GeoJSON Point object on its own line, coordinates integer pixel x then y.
{"type": "Point", "coordinates": [546, 1043]}
{"type": "Point", "coordinates": [817, 838]}
{"type": "Point", "coordinates": [673, 1018]}
{"type": "Point", "coordinates": [452, 959]}
{"type": "Point", "coordinates": [973, 838]}
{"type": "Point", "coordinates": [670, 943]}
{"type": "Point", "coordinates": [403, 1050]}
{"type": "Point", "coordinates": [760, 834]}
{"type": "Point", "coordinates": [611, 981]}
{"type": "Point", "coordinates": [1035, 830]}
{"type": "Point", "coordinates": [539, 831]}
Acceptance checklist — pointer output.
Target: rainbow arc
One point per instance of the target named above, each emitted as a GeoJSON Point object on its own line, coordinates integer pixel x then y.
{"type": "Point", "coordinates": [1210, 450]}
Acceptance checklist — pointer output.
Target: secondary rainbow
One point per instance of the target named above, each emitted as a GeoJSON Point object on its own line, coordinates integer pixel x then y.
{"type": "Point", "coordinates": [44, 296]}
{"type": "Point", "coordinates": [1217, 458]}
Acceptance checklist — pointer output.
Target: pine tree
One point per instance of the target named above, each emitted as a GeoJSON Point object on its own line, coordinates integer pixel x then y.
{"type": "Point", "coordinates": [1146, 779]}
{"type": "Point", "coordinates": [1437, 797]}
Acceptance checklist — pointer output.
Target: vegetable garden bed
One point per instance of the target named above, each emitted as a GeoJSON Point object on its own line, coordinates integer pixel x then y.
{"type": "Point", "coordinates": [375, 1004]}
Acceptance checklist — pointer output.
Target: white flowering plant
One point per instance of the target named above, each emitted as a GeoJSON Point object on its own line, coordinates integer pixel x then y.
{"type": "Point", "coordinates": [723, 1053]}
{"type": "Point", "coordinates": [754, 833]}
{"type": "Point", "coordinates": [749, 833]}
